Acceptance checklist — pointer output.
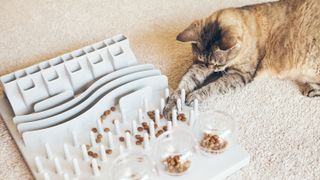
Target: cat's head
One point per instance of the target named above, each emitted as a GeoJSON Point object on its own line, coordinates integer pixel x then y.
{"type": "Point", "coordinates": [212, 42]}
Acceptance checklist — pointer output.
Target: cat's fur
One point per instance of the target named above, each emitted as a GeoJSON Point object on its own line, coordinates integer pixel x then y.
{"type": "Point", "coordinates": [236, 45]}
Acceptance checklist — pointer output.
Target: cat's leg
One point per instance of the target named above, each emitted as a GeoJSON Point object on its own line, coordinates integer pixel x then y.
{"type": "Point", "coordinates": [192, 79]}
{"type": "Point", "coordinates": [309, 89]}
{"type": "Point", "coordinates": [229, 81]}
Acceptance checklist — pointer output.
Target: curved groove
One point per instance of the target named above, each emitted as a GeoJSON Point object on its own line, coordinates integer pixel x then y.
{"type": "Point", "coordinates": [59, 118]}
{"type": "Point", "coordinates": [93, 87]}
{"type": "Point", "coordinates": [86, 120]}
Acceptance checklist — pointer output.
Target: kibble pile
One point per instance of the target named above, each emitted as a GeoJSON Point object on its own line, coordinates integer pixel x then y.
{"type": "Point", "coordinates": [176, 165]}
{"type": "Point", "coordinates": [212, 143]}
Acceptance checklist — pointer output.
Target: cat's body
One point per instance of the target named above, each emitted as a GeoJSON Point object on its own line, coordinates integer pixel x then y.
{"type": "Point", "coordinates": [236, 45]}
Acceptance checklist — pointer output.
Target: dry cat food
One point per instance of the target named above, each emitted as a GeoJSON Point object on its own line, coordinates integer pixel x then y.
{"type": "Point", "coordinates": [109, 151]}
{"type": "Point", "coordinates": [99, 138]}
{"type": "Point", "coordinates": [94, 130]}
{"type": "Point", "coordinates": [159, 132]}
{"type": "Point", "coordinates": [182, 117]}
{"type": "Point", "coordinates": [140, 129]}
{"type": "Point", "coordinates": [121, 139]}
{"type": "Point", "coordinates": [106, 130]}
{"type": "Point", "coordinates": [93, 154]}
{"type": "Point", "coordinates": [212, 143]}
{"type": "Point", "coordinates": [152, 114]}
{"type": "Point", "coordinates": [107, 112]}
{"type": "Point", "coordinates": [176, 165]}
{"type": "Point", "coordinates": [137, 136]}
{"type": "Point", "coordinates": [113, 108]}
{"type": "Point", "coordinates": [165, 128]}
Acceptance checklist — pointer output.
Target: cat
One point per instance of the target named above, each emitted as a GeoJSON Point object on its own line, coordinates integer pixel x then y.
{"type": "Point", "coordinates": [236, 45]}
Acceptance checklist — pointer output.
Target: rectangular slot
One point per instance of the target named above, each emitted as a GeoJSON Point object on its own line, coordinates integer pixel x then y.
{"type": "Point", "coordinates": [73, 67]}
{"type": "Point", "coordinates": [56, 61]}
{"type": "Point", "coordinates": [44, 65]}
{"type": "Point", "coordinates": [88, 49]}
{"type": "Point", "coordinates": [100, 45]}
{"type": "Point", "coordinates": [33, 69]}
{"type": "Point", "coordinates": [97, 60]}
{"type": "Point", "coordinates": [78, 53]}
{"type": "Point", "coordinates": [8, 78]}
{"type": "Point", "coordinates": [119, 38]}
{"type": "Point", "coordinates": [26, 84]}
{"type": "Point", "coordinates": [20, 74]}
{"type": "Point", "coordinates": [115, 50]}
{"type": "Point", "coordinates": [109, 42]}
{"type": "Point", "coordinates": [50, 75]}
{"type": "Point", "coordinates": [67, 57]}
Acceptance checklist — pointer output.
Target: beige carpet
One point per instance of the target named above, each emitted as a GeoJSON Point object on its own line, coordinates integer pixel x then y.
{"type": "Point", "coordinates": [278, 126]}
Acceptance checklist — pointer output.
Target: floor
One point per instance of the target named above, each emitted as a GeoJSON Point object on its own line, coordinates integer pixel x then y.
{"type": "Point", "coordinates": [278, 126]}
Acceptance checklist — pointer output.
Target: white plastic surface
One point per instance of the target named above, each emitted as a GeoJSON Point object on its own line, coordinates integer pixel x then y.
{"type": "Point", "coordinates": [53, 101]}
{"type": "Point", "coordinates": [61, 117]}
{"type": "Point", "coordinates": [105, 79]}
{"type": "Point", "coordinates": [71, 71]}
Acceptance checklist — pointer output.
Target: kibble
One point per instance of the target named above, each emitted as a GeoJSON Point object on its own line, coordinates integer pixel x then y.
{"type": "Point", "coordinates": [90, 153]}
{"type": "Point", "coordinates": [141, 139]}
{"type": "Point", "coordinates": [159, 132]}
{"type": "Point", "coordinates": [144, 124]}
{"type": "Point", "coordinates": [106, 130]}
{"type": "Point", "coordinates": [95, 155]}
{"type": "Point", "coordinates": [176, 165]}
{"type": "Point", "coordinates": [94, 130]}
{"type": "Point", "coordinates": [113, 108]}
{"type": "Point", "coordinates": [107, 112]}
{"type": "Point", "coordinates": [121, 139]}
{"type": "Point", "coordinates": [165, 128]}
{"type": "Point", "coordinates": [140, 129]}
{"type": "Point", "coordinates": [98, 140]}
{"type": "Point", "coordinates": [212, 143]}
{"type": "Point", "coordinates": [127, 131]}
{"type": "Point", "coordinates": [182, 117]}
{"type": "Point", "coordinates": [138, 143]}
{"type": "Point", "coordinates": [146, 128]}
{"type": "Point", "coordinates": [137, 136]}
{"type": "Point", "coordinates": [109, 151]}
{"type": "Point", "coordinates": [151, 115]}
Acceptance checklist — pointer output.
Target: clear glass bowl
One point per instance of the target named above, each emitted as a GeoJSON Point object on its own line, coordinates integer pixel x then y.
{"type": "Point", "coordinates": [174, 151]}
{"type": "Point", "coordinates": [216, 130]}
{"type": "Point", "coordinates": [134, 166]}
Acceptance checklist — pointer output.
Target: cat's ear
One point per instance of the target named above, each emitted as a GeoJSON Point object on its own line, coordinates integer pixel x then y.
{"type": "Point", "coordinates": [230, 37]}
{"type": "Point", "coordinates": [191, 33]}
{"type": "Point", "coordinates": [230, 42]}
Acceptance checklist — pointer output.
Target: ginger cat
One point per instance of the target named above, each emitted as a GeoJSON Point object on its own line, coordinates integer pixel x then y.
{"type": "Point", "coordinates": [236, 45]}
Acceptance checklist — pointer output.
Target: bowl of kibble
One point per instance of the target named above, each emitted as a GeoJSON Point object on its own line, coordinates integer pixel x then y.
{"type": "Point", "coordinates": [174, 151]}
{"type": "Point", "coordinates": [134, 165]}
{"type": "Point", "coordinates": [216, 130]}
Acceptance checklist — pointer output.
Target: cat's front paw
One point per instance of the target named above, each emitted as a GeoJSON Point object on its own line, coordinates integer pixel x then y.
{"type": "Point", "coordinates": [167, 111]}
{"type": "Point", "coordinates": [193, 96]}
{"type": "Point", "coordinates": [171, 104]}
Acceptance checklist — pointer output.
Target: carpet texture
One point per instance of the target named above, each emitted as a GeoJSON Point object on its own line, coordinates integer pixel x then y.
{"type": "Point", "coordinates": [278, 126]}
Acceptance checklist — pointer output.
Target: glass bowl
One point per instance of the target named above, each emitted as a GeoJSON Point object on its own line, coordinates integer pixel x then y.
{"type": "Point", "coordinates": [134, 166]}
{"type": "Point", "coordinates": [174, 151]}
{"type": "Point", "coordinates": [216, 130]}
